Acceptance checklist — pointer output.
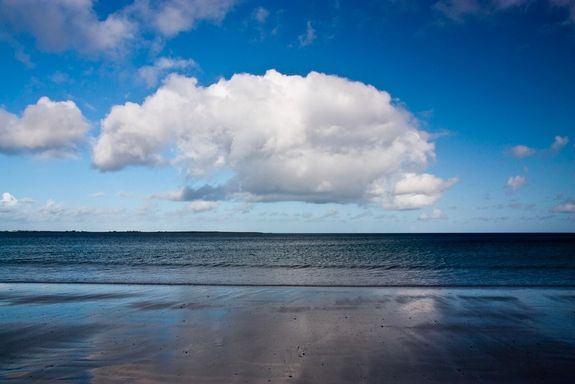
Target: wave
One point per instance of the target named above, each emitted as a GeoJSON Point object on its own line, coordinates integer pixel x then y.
{"type": "Point", "coordinates": [280, 285]}
{"type": "Point", "coordinates": [383, 267]}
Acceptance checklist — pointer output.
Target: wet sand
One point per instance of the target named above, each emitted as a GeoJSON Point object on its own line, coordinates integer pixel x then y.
{"type": "Point", "coordinates": [115, 333]}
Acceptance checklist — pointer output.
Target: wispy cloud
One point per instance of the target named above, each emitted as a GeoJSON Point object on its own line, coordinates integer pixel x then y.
{"type": "Point", "coordinates": [559, 142]}
{"type": "Point", "coordinates": [201, 206]}
{"type": "Point", "coordinates": [27, 210]}
{"type": "Point", "coordinates": [75, 25]}
{"type": "Point", "coordinates": [459, 11]}
{"type": "Point", "coordinates": [151, 74]}
{"type": "Point", "coordinates": [522, 151]}
{"type": "Point", "coordinates": [308, 37]}
{"type": "Point", "coordinates": [260, 14]}
{"type": "Point", "coordinates": [565, 207]}
{"type": "Point", "coordinates": [435, 214]}
{"type": "Point", "coordinates": [516, 182]}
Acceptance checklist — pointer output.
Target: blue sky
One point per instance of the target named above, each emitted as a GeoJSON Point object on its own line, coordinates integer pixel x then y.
{"type": "Point", "coordinates": [315, 116]}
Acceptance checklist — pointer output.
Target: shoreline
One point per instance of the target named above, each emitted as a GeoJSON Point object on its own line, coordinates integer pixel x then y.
{"type": "Point", "coordinates": [281, 285]}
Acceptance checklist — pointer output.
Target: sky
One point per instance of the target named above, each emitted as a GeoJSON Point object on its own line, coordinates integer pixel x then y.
{"type": "Point", "coordinates": [288, 116]}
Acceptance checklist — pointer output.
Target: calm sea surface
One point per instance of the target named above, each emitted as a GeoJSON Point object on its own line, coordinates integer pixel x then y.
{"type": "Point", "coordinates": [519, 260]}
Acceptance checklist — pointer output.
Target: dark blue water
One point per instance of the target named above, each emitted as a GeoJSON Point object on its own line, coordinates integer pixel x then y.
{"type": "Point", "coordinates": [519, 260]}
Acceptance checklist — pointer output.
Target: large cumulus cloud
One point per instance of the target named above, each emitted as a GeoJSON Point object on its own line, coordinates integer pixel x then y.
{"type": "Point", "coordinates": [317, 138]}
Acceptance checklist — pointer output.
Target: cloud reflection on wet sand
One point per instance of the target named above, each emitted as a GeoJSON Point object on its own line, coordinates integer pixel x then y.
{"type": "Point", "coordinates": [305, 335]}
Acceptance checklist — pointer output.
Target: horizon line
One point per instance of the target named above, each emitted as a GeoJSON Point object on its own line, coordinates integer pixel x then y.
{"type": "Point", "coordinates": [281, 233]}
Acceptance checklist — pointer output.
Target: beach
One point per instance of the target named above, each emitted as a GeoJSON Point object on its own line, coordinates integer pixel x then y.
{"type": "Point", "coordinates": [102, 333]}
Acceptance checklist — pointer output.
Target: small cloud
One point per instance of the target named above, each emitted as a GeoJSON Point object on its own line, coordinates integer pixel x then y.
{"type": "Point", "coordinates": [414, 191]}
{"type": "Point", "coordinates": [522, 151]}
{"type": "Point", "coordinates": [201, 206]}
{"type": "Point", "coordinates": [60, 78]}
{"type": "Point", "coordinates": [516, 182]}
{"type": "Point", "coordinates": [97, 194]}
{"type": "Point", "coordinates": [151, 73]}
{"type": "Point", "coordinates": [90, 106]}
{"type": "Point", "coordinates": [8, 200]}
{"type": "Point", "coordinates": [244, 208]}
{"type": "Point", "coordinates": [435, 214]}
{"type": "Point", "coordinates": [331, 212]}
{"type": "Point", "coordinates": [148, 209]}
{"type": "Point", "coordinates": [308, 37]}
{"type": "Point", "coordinates": [52, 209]}
{"type": "Point", "coordinates": [566, 207]}
{"type": "Point", "coordinates": [513, 205]}
{"type": "Point", "coordinates": [439, 134]}
{"type": "Point", "coordinates": [559, 143]}
{"type": "Point", "coordinates": [205, 192]}
{"type": "Point", "coordinates": [48, 128]}
{"type": "Point", "coordinates": [24, 58]}
{"type": "Point", "coordinates": [260, 15]}
{"type": "Point", "coordinates": [490, 218]}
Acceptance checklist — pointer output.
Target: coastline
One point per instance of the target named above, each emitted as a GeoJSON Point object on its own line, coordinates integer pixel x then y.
{"type": "Point", "coordinates": [222, 334]}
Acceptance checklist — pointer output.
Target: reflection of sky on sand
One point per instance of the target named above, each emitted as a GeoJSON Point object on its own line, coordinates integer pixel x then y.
{"type": "Point", "coordinates": [225, 334]}
{"type": "Point", "coordinates": [417, 302]}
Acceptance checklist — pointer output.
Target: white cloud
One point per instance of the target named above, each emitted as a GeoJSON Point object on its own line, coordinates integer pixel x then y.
{"type": "Point", "coordinates": [308, 37]}
{"type": "Point", "coordinates": [435, 214]}
{"type": "Point", "coordinates": [195, 206]}
{"type": "Point", "coordinates": [52, 128]}
{"type": "Point", "coordinates": [202, 205]}
{"type": "Point", "coordinates": [516, 182]}
{"type": "Point", "coordinates": [60, 25]}
{"type": "Point", "coordinates": [54, 211]}
{"type": "Point", "coordinates": [566, 207]}
{"type": "Point", "coordinates": [25, 211]}
{"type": "Point", "coordinates": [170, 17]}
{"type": "Point", "coordinates": [412, 191]}
{"type": "Point", "coordinates": [559, 142]}
{"type": "Point", "coordinates": [522, 151]}
{"type": "Point", "coordinates": [8, 200]}
{"type": "Point", "coordinates": [151, 73]}
{"type": "Point", "coordinates": [317, 138]}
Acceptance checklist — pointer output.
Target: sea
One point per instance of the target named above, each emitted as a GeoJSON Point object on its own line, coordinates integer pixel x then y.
{"type": "Point", "coordinates": [258, 259]}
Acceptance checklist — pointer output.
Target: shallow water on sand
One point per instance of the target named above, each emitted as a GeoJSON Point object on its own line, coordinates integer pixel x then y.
{"type": "Point", "coordinates": [116, 333]}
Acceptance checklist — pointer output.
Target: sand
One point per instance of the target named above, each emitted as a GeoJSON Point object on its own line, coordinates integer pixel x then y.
{"type": "Point", "coordinates": [162, 334]}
